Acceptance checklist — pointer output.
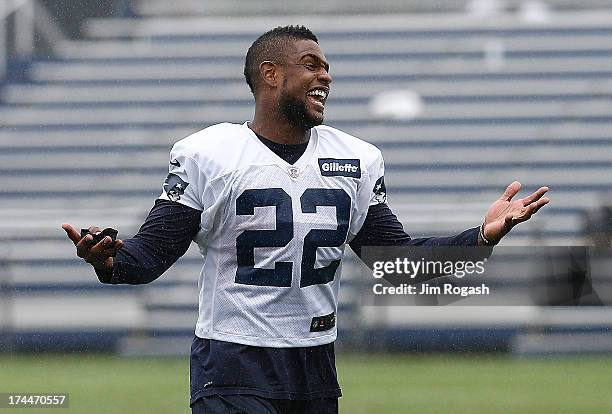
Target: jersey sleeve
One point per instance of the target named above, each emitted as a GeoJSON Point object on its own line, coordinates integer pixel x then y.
{"type": "Point", "coordinates": [372, 192]}
{"type": "Point", "coordinates": [186, 181]}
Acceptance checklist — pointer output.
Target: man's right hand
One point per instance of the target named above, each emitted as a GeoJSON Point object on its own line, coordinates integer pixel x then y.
{"type": "Point", "coordinates": [99, 255]}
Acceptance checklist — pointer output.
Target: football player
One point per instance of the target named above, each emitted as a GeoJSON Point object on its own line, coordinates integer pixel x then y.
{"type": "Point", "coordinates": [272, 204]}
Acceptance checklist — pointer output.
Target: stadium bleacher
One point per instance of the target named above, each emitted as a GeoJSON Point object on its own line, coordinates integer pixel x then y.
{"type": "Point", "coordinates": [85, 138]}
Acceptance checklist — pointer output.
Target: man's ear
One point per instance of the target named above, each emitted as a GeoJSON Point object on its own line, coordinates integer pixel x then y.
{"type": "Point", "coordinates": [270, 73]}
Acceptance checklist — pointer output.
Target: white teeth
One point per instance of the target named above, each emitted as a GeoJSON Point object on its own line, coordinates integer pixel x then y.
{"type": "Point", "coordinates": [318, 92]}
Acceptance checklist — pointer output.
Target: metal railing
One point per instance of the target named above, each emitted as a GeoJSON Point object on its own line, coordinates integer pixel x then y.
{"type": "Point", "coordinates": [21, 22]}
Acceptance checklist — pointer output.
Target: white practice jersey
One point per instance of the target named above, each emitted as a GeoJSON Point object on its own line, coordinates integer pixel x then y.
{"type": "Point", "coordinates": [272, 233]}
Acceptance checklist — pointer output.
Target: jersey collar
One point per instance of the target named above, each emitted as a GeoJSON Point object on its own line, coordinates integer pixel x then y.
{"type": "Point", "coordinates": [302, 162]}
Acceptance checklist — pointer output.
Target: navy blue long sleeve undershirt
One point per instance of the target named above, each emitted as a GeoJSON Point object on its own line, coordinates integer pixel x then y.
{"type": "Point", "coordinates": [170, 227]}
{"type": "Point", "coordinates": [163, 238]}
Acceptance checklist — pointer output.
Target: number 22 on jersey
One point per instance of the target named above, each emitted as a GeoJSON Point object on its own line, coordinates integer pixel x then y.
{"type": "Point", "coordinates": [281, 274]}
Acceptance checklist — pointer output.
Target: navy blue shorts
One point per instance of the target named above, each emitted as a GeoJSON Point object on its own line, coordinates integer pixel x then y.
{"type": "Point", "coordinates": [252, 404]}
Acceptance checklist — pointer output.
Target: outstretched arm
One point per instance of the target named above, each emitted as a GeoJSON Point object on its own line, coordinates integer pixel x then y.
{"type": "Point", "coordinates": [163, 238]}
{"type": "Point", "coordinates": [382, 228]}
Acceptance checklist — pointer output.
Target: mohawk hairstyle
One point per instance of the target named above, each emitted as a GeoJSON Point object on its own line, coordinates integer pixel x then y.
{"type": "Point", "coordinates": [269, 46]}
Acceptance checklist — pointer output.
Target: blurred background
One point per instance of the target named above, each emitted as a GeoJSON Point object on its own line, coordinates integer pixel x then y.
{"type": "Point", "coordinates": [462, 97]}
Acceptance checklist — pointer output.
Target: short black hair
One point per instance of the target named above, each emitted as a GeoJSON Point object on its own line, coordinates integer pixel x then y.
{"type": "Point", "coordinates": [269, 46]}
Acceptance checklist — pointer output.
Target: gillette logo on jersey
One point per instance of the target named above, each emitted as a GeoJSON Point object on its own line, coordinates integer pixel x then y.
{"type": "Point", "coordinates": [340, 167]}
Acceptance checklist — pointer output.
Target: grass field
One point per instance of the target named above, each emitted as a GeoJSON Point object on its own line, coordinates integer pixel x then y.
{"type": "Point", "coordinates": [373, 384]}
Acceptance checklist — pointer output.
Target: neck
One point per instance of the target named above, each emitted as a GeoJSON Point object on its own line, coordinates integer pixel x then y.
{"type": "Point", "coordinates": [276, 128]}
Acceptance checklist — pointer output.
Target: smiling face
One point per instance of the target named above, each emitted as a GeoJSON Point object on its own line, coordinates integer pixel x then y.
{"type": "Point", "coordinates": [305, 84]}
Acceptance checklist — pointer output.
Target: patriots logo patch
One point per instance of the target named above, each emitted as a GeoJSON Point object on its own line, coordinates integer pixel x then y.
{"type": "Point", "coordinates": [174, 187]}
{"type": "Point", "coordinates": [380, 191]}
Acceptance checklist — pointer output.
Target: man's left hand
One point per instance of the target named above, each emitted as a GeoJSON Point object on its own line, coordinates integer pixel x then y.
{"type": "Point", "coordinates": [506, 213]}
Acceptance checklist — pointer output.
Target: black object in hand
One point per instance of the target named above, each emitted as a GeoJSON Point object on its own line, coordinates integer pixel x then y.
{"type": "Point", "coordinates": [97, 237]}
